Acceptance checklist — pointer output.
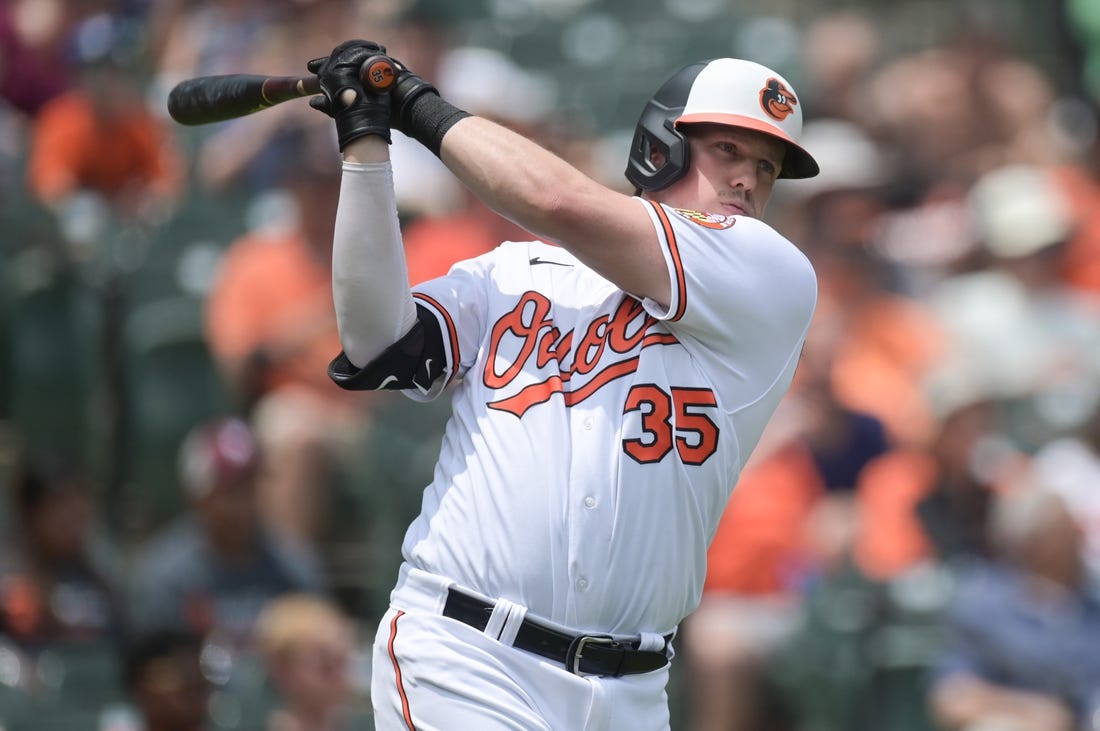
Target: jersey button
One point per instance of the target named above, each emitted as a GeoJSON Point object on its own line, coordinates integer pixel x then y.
{"type": "Point", "coordinates": [590, 502]}
{"type": "Point", "coordinates": [588, 424]}
{"type": "Point", "coordinates": [582, 584]}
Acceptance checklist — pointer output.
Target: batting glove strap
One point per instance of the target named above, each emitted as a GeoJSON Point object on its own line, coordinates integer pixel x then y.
{"type": "Point", "coordinates": [420, 112]}
{"type": "Point", "coordinates": [369, 113]}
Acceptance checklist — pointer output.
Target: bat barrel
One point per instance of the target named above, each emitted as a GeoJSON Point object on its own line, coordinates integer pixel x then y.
{"type": "Point", "coordinates": [210, 99]}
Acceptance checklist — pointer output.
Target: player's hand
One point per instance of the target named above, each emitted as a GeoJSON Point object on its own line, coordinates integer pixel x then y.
{"type": "Point", "coordinates": [357, 111]}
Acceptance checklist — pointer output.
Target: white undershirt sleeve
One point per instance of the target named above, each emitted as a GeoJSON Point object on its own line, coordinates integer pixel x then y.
{"type": "Point", "coordinates": [370, 281]}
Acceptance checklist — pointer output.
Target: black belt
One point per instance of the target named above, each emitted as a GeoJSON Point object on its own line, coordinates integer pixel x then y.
{"type": "Point", "coordinates": [582, 655]}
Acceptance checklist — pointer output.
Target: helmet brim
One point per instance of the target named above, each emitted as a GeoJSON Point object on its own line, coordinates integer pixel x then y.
{"type": "Point", "coordinates": [797, 163]}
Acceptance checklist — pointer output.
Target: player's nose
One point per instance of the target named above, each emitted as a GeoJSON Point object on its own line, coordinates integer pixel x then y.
{"type": "Point", "coordinates": [743, 175]}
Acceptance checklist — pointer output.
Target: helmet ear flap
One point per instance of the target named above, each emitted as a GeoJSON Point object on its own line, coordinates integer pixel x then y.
{"type": "Point", "coordinates": [656, 135]}
{"type": "Point", "coordinates": [659, 154]}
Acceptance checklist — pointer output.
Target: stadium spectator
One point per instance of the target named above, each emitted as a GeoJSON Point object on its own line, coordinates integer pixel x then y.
{"type": "Point", "coordinates": [58, 580]}
{"type": "Point", "coordinates": [1080, 183]}
{"type": "Point", "coordinates": [99, 138]}
{"type": "Point", "coordinates": [930, 504]}
{"type": "Point", "coordinates": [1070, 467]}
{"type": "Point", "coordinates": [247, 156]}
{"type": "Point", "coordinates": [1021, 651]}
{"type": "Point", "coordinates": [212, 570]}
{"type": "Point", "coordinates": [62, 614]}
{"type": "Point", "coordinates": [207, 37]}
{"type": "Point", "coordinates": [308, 646]}
{"type": "Point", "coordinates": [1014, 327]}
{"type": "Point", "coordinates": [841, 48]}
{"type": "Point", "coordinates": [163, 675]}
{"type": "Point", "coordinates": [33, 63]}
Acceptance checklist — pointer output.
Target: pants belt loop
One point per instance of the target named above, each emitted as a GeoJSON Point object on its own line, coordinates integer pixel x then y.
{"type": "Point", "coordinates": [502, 624]}
{"type": "Point", "coordinates": [651, 642]}
{"type": "Point", "coordinates": [516, 614]}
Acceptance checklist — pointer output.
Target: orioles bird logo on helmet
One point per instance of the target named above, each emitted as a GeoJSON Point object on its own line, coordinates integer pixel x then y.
{"type": "Point", "coordinates": [777, 101]}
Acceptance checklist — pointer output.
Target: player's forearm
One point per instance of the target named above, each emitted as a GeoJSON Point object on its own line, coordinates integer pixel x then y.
{"type": "Point", "coordinates": [374, 307]}
{"type": "Point", "coordinates": [535, 188]}
{"type": "Point", "coordinates": [513, 175]}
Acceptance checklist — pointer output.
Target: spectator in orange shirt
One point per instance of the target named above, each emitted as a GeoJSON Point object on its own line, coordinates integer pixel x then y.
{"type": "Point", "coordinates": [99, 137]}
{"type": "Point", "coordinates": [1080, 262]}
{"type": "Point", "coordinates": [928, 504]}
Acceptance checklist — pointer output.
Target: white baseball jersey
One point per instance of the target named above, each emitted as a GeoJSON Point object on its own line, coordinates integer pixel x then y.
{"type": "Point", "coordinates": [595, 437]}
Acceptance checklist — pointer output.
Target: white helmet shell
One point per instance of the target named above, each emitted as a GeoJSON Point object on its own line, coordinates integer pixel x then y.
{"type": "Point", "coordinates": [746, 94]}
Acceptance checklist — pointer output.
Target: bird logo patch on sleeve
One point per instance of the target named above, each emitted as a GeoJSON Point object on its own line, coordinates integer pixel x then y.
{"type": "Point", "coordinates": [709, 220]}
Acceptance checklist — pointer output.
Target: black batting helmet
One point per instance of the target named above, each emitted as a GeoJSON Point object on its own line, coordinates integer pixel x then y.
{"type": "Point", "coordinates": [722, 91]}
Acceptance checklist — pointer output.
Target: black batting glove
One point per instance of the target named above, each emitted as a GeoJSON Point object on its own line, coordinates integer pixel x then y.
{"type": "Point", "coordinates": [369, 113]}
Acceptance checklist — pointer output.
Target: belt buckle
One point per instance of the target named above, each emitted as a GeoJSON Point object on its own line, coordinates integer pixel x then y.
{"type": "Point", "coordinates": [575, 653]}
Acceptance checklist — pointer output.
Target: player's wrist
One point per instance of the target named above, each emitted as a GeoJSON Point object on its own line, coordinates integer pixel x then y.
{"type": "Point", "coordinates": [367, 149]}
{"type": "Point", "coordinates": [420, 112]}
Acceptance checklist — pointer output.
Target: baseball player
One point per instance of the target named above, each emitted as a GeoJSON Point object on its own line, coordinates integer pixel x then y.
{"type": "Point", "coordinates": [606, 390]}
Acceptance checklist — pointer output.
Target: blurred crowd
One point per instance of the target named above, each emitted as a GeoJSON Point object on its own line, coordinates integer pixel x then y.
{"type": "Point", "coordinates": [199, 527]}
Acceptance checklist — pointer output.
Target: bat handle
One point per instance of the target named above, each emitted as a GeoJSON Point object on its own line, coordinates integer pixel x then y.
{"type": "Point", "coordinates": [377, 74]}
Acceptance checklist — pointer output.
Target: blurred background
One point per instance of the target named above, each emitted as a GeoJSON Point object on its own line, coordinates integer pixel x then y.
{"type": "Point", "coordinates": [200, 532]}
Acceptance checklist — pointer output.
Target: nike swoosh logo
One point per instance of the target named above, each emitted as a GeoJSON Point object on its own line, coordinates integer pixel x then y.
{"type": "Point", "coordinates": [540, 260]}
{"type": "Point", "coordinates": [427, 374]}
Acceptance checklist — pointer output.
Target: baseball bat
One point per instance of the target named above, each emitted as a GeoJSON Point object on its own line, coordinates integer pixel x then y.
{"type": "Point", "coordinates": [208, 99]}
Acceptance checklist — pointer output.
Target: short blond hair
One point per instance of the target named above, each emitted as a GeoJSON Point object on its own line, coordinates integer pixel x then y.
{"type": "Point", "coordinates": [288, 620]}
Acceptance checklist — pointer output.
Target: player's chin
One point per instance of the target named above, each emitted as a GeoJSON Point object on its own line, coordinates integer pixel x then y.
{"type": "Point", "coordinates": [738, 209]}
